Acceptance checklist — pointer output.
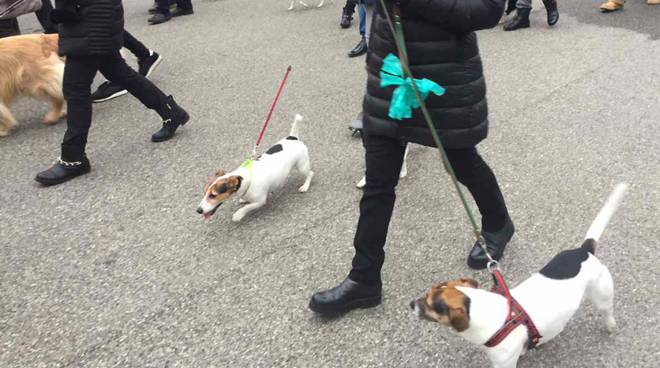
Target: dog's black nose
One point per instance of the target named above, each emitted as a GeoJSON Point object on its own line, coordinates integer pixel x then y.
{"type": "Point", "coordinates": [412, 304]}
{"type": "Point", "coordinates": [200, 210]}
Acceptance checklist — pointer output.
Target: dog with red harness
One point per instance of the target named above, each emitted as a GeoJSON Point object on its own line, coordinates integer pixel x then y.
{"type": "Point", "coordinates": [509, 322]}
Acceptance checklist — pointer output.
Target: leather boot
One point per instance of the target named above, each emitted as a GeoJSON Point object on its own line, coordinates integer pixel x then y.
{"type": "Point", "coordinates": [553, 12]}
{"type": "Point", "coordinates": [173, 116]}
{"type": "Point", "coordinates": [345, 297]}
{"type": "Point", "coordinates": [63, 171]}
{"type": "Point", "coordinates": [521, 20]}
{"type": "Point", "coordinates": [495, 243]}
{"type": "Point", "coordinates": [359, 49]}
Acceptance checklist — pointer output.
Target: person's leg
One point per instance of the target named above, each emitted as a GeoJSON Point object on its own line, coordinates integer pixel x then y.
{"type": "Point", "coordinates": [368, 17]}
{"type": "Point", "coordinates": [9, 27]}
{"type": "Point", "coordinates": [496, 225]}
{"type": "Point", "coordinates": [347, 13]}
{"type": "Point", "coordinates": [162, 13]}
{"type": "Point", "coordinates": [183, 7]}
{"type": "Point", "coordinates": [79, 73]}
{"type": "Point", "coordinates": [135, 47]}
{"type": "Point", "coordinates": [163, 7]}
{"type": "Point", "coordinates": [383, 158]}
{"type": "Point", "coordinates": [361, 47]}
{"type": "Point", "coordinates": [43, 15]}
{"type": "Point", "coordinates": [115, 69]}
{"type": "Point", "coordinates": [475, 174]}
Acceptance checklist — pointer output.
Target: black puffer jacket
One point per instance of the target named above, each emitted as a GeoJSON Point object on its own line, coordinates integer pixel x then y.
{"type": "Point", "coordinates": [442, 47]}
{"type": "Point", "coordinates": [89, 27]}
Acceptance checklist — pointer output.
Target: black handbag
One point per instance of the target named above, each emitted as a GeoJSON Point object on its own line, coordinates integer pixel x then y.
{"type": "Point", "coordinates": [10, 9]}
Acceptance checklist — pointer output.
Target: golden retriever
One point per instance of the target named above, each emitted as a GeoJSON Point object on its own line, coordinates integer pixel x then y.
{"type": "Point", "coordinates": [30, 66]}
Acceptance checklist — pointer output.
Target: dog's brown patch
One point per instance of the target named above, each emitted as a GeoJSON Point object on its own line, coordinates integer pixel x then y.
{"type": "Point", "coordinates": [447, 305]}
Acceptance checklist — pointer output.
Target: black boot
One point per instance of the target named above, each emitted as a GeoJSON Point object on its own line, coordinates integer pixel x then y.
{"type": "Point", "coordinates": [521, 20]}
{"type": "Point", "coordinates": [347, 296]}
{"type": "Point", "coordinates": [173, 116]}
{"type": "Point", "coordinates": [359, 49]}
{"type": "Point", "coordinates": [551, 9]}
{"type": "Point", "coordinates": [345, 21]}
{"type": "Point", "coordinates": [63, 171]}
{"type": "Point", "coordinates": [495, 243]}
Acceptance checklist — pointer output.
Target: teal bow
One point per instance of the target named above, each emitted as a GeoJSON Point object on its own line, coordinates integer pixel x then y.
{"type": "Point", "coordinates": [403, 98]}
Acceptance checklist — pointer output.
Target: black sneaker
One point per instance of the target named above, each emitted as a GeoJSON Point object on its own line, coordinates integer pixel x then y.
{"type": "Point", "coordinates": [495, 243]}
{"type": "Point", "coordinates": [147, 65]}
{"type": "Point", "coordinates": [345, 21]}
{"type": "Point", "coordinates": [63, 171]}
{"type": "Point", "coordinates": [107, 91]}
{"type": "Point", "coordinates": [154, 8]}
{"type": "Point", "coordinates": [345, 297]}
{"type": "Point", "coordinates": [159, 18]}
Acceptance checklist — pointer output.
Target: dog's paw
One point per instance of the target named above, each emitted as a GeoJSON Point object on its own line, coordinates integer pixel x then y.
{"type": "Point", "coordinates": [242, 201]}
{"type": "Point", "coordinates": [53, 117]}
{"type": "Point", "coordinates": [237, 217]}
{"type": "Point", "coordinates": [304, 188]}
{"type": "Point", "coordinates": [4, 132]}
{"type": "Point", "coordinates": [362, 182]}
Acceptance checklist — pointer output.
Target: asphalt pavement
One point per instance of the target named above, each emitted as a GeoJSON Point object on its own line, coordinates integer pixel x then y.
{"type": "Point", "coordinates": [115, 269]}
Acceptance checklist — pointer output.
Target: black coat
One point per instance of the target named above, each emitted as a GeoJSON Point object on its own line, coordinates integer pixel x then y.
{"type": "Point", "coordinates": [442, 47]}
{"type": "Point", "coordinates": [89, 27]}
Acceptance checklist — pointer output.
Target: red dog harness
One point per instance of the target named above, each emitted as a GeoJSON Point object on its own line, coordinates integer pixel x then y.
{"type": "Point", "coordinates": [516, 316]}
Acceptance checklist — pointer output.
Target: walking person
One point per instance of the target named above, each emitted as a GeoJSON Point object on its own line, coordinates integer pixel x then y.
{"type": "Point", "coordinates": [524, 7]}
{"type": "Point", "coordinates": [163, 13]}
{"type": "Point", "coordinates": [442, 46]}
{"type": "Point", "coordinates": [91, 34]}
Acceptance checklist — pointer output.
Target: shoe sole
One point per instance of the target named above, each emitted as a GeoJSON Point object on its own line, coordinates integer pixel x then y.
{"type": "Point", "coordinates": [114, 95]}
{"type": "Point", "coordinates": [356, 304]}
{"type": "Point", "coordinates": [154, 66]}
{"type": "Point", "coordinates": [49, 183]}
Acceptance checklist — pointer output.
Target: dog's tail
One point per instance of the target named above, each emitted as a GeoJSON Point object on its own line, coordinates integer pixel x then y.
{"type": "Point", "coordinates": [598, 226]}
{"type": "Point", "coordinates": [294, 126]}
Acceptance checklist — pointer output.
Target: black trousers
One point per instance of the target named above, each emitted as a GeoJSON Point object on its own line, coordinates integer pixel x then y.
{"type": "Point", "coordinates": [9, 27]}
{"type": "Point", "coordinates": [135, 47]}
{"type": "Point", "coordinates": [349, 8]}
{"type": "Point", "coordinates": [164, 5]}
{"type": "Point", "coordinates": [43, 15]}
{"type": "Point", "coordinates": [384, 157]}
{"type": "Point", "coordinates": [79, 74]}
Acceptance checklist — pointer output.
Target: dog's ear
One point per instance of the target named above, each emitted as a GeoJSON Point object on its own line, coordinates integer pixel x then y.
{"type": "Point", "coordinates": [234, 183]}
{"type": "Point", "coordinates": [219, 173]}
{"type": "Point", "coordinates": [458, 318]}
{"type": "Point", "coordinates": [471, 282]}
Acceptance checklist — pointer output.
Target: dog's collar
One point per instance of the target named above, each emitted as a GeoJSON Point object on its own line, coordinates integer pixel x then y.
{"type": "Point", "coordinates": [516, 316]}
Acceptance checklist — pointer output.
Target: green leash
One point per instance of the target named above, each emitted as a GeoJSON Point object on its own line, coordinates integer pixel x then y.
{"type": "Point", "coordinates": [397, 32]}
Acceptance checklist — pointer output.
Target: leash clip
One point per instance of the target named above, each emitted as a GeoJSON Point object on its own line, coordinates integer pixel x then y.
{"type": "Point", "coordinates": [493, 266]}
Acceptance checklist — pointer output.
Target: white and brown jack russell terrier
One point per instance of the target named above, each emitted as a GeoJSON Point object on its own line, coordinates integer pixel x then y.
{"type": "Point", "coordinates": [550, 298]}
{"type": "Point", "coordinates": [255, 179]}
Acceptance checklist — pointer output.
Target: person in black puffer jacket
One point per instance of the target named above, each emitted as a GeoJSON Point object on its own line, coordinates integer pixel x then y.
{"type": "Point", "coordinates": [442, 46]}
{"type": "Point", "coordinates": [91, 34]}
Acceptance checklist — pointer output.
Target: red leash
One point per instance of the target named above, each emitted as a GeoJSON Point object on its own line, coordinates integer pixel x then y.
{"type": "Point", "coordinates": [270, 113]}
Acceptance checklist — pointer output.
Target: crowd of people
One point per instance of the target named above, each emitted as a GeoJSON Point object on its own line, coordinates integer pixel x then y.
{"type": "Point", "coordinates": [441, 42]}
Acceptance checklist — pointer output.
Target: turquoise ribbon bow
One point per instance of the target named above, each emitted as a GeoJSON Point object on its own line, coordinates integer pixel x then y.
{"type": "Point", "coordinates": [403, 98]}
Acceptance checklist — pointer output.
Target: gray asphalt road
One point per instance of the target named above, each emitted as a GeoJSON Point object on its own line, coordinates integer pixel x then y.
{"type": "Point", "coordinates": [116, 269]}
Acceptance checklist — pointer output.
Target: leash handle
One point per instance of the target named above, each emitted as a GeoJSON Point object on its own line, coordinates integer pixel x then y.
{"type": "Point", "coordinates": [270, 112]}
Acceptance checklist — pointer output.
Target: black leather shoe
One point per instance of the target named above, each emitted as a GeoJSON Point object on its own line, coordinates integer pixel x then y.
{"type": "Point", "coordinates": [173, 117]}
{"type": "Point", "coordinates": [551, 9]}
{"type": "Point", "coordinates": [359, 49]}
{"type": "Point", "coordinates": [180, 12]}
{"type": "Point", "coordinates": [345, 21]}
{"type": "Point", "coordinates": [159, 18]}
{"type": "Point", "coordinates": [63, 171]}
{"type": "Point", "coordinates": [495, 243]}
{"type": "Point", "coordinates": [521, 20]}
{"type": "Point", "coordinates": [347, 296]}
